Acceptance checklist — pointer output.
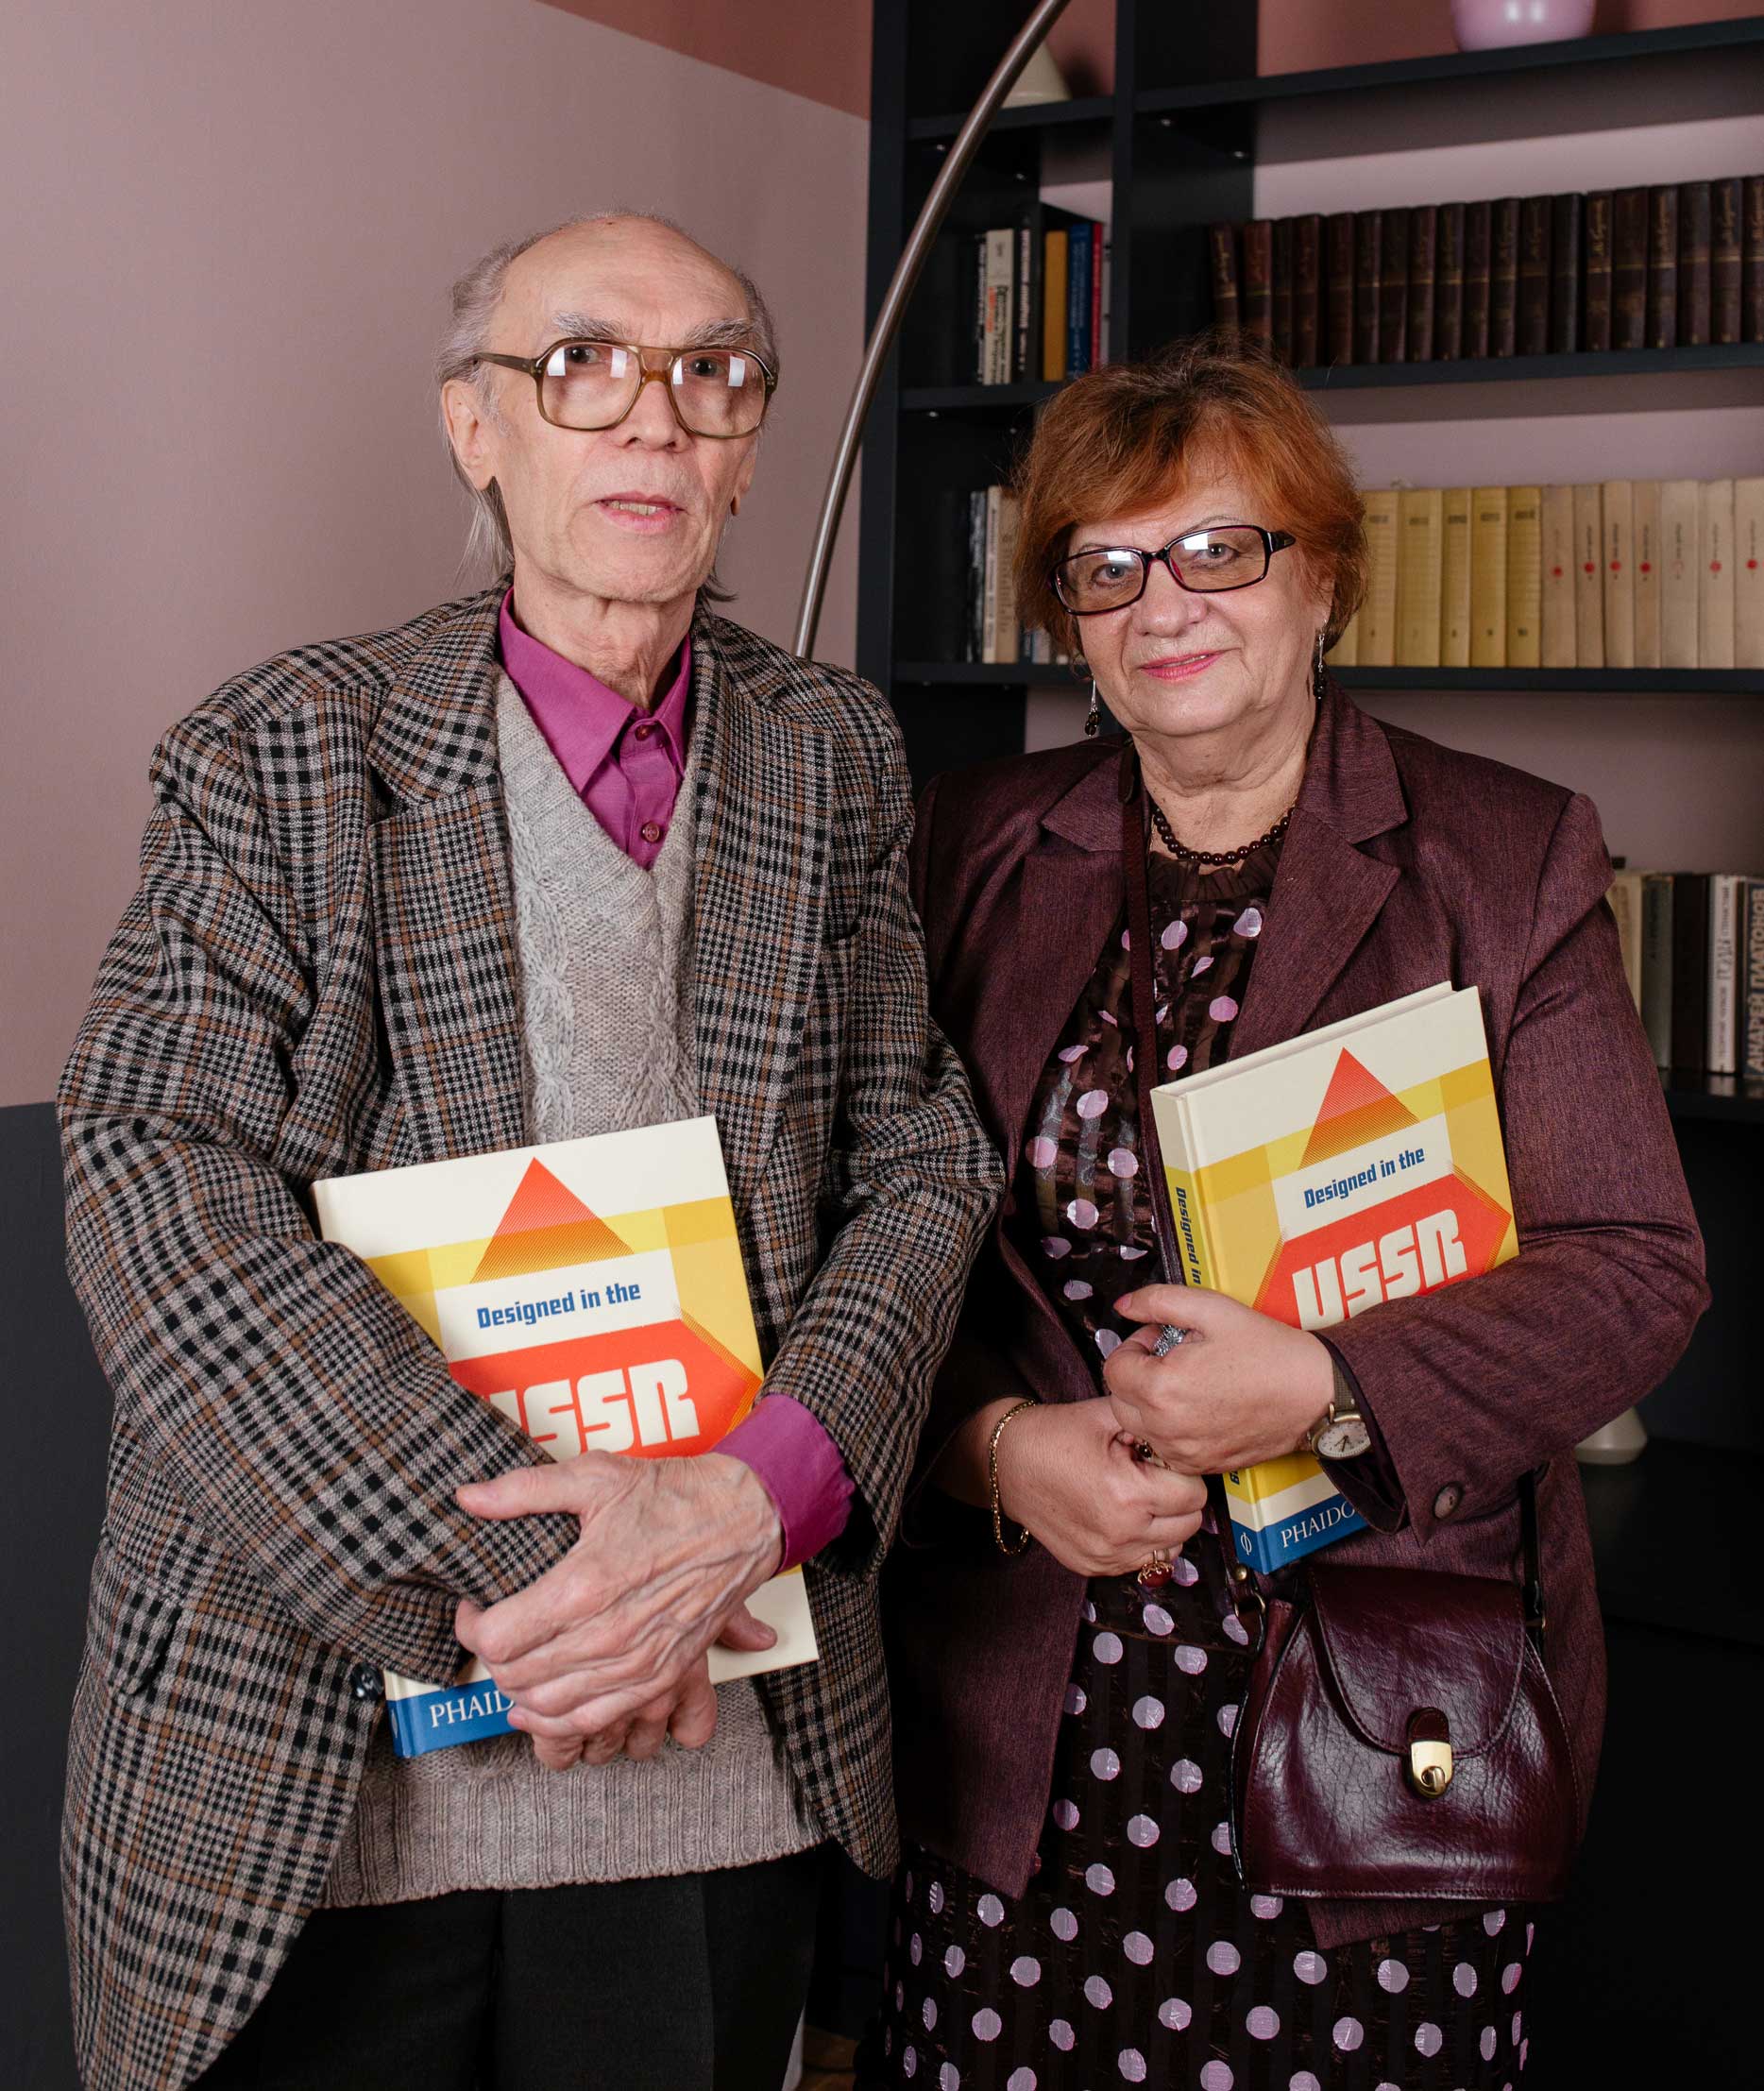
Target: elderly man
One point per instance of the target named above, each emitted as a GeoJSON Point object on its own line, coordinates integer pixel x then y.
{"type": "Point", "coordinates": [571, 855]}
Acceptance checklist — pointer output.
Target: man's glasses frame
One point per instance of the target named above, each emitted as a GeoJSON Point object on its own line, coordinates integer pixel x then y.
{"type": "Point", "coordinates": [662, 374]}
{"type": "Point", "coordinates": [1272, 541]}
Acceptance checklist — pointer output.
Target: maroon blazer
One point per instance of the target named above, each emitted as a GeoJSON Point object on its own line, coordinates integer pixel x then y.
{"type": "Point", "coordinates": [1405, 863]}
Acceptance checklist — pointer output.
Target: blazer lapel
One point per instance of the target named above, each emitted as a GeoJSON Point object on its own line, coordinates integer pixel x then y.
{"type": "Point", "coordinates": [443, 911]}
{"type": "Point", "coordinates": [763, 837]}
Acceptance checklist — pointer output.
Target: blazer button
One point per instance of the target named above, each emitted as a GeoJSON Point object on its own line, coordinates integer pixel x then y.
{"type": "Point", "coordinates": [364, 1682]}
{"type": "Point", "coordinates": [1448, 1500]}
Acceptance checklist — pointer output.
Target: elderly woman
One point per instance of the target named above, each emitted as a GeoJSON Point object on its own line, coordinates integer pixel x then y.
{"type": "Point", "coordinates": [1066, 1657]}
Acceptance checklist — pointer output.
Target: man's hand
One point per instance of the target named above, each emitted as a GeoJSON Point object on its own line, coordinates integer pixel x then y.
{"type": "Point", "coordinates": [606, 1651]}
{"type": "Point", "coordinates": [1242, 1389]}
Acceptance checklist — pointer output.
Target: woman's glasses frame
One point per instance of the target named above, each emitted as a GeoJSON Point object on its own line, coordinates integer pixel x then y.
{"type": "Point", "coordinates": [661, 374]}
{"type": "Point", "coordinates": [1272, 541]}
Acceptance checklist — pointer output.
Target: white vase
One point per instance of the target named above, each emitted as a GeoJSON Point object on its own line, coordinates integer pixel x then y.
{"type": "Point", "coordinates": [1486, 24]}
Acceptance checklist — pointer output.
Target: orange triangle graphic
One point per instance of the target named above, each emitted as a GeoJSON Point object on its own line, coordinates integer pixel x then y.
{"type": "Point", "coordinates": [546, 1227]}
{"type": "Point", "coordinates": [1356, 1109]}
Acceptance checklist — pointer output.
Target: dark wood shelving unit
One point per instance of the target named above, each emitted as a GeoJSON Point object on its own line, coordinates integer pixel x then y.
{"type": "Point", "coordinates": [1733, 1098]}
{"type": "Point", "coordinates": [1610, 363]}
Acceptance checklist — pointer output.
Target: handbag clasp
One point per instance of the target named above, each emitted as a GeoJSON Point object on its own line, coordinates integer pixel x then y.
{"type": "Point", "coordinates": [1430, 1752]}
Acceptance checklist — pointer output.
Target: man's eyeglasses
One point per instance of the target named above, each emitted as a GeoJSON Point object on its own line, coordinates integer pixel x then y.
{"type": "Point", "coordinates": [1208, 561]}
{"type": "Point", "coordinates": [594, 385]}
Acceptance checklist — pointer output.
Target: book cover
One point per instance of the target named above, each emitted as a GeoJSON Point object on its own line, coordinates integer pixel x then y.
{"type": "Point", "coordinates": [1377, 613]}
{"type": "Point", "coordinates": [1751, 259]}
{"type": "Point", "coordinates": [1307, 287]}
{"type": "Point", "coordinates": [1423, 267]}
{"type": "Point", "coordinates": [592, 1292]}
{"type": "Point", "coordinates": [1567, 226]}
{"type": "Point", "coordinates": [1280, 292]}
{"type": "Point", "coordinates": [1503, 271]}
{"type": "Point", "coordinates": [1715, 582]}
{"type": "Point", "coordinates": [1338, 292]}
{"type": "Point", "coordinates": [1557, 560]}
{"type": "Point", "coordinates": [1488, 577]}
{"type": "Point", "coordinates": [1100, 280]}
{"type": "Point", "coordinates": [1258, 299]}
{"type": "Point", "coordinates": [1751, 992]}
{"type": "Point", "coordinates": [1222, 250]}
{"type": "Point", "coordinates": [1724, 899]}
{"type": "Point", "coordinates": [1524, 576]}
{"type": "Point", "coordinates": [1656, 964]}
{"type": "Point", "coordinates": [989, 578]}
{"type": "Point", "coordinates": [1694, 240]}
{"type": "Point", "coordinates": [1393, 285]}
{"type": "Point", "coordinates": [1419, 555]}
{"type": "Point", "coordinates": [1454, 578]}
{"type": "Point", "coordinates": [1679, 525]}
{"type": "Point", "coordinates": [1617, 507]}
{"type": "Point", "coordinates": [976, 574]}
{"type": "Point", "coordinates": [1749, 573]}
{"type": "Point", "coordinates": [1001, 512]}
{"type": "Point", "coordinates": [1628, 268]}
{"type": "Point", "coordinates": [1478, 275]}
{"type": "Point", "coordinates": [1647, 564]}
{"type": "Point", "coordinates": [1325, 1175]}
{"type": "Point", "coordinates": [1726, 255]}
{"type": "Point", "coordinates": [1595, 316]}
{"type": "Point", "coordinates": [1368, 280]}
{"type": "Point", "coordinates": [1532, 325]}
{"type": "Point", "coordinates": [1255, 297]}
{"type": "Point", "coordinates": [1588, 580]}
{"type": "Point", "coordinates": [1449, 284]}
{"type": "Point", "coordinates": [1053, 299]}
{"type": "Point", "coordinates": [1625, 899]}
{"type": "Point", "coordinates": [1663, 266]}
{"type": "Point", "coordinates": [1001, 282]}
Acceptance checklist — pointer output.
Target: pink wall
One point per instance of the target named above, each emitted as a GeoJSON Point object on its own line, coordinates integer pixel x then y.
{"type": "Point", "coordinates": [229, 234]}
{"type": "Point", "coordinates": [820, 48]}
{"type": "Point", "coordinates": [1295, 36]}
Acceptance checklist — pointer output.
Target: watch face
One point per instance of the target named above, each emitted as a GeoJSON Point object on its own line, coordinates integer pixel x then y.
{"type": "Point", "coordinates": [1347, 1437]}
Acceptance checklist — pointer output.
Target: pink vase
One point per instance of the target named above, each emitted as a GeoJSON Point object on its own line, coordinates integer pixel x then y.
{"type": "Point", "coordinates": [1485, 24]}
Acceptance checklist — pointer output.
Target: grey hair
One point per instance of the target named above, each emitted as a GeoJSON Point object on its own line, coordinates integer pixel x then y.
{"type": "Point", "coordinates": [489, 549]}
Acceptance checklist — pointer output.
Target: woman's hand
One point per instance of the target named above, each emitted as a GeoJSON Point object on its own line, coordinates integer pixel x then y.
{"type": "Point", "coordinates": [1242, 1389]}
{"type": "Point", "coordinates": [1066, 1473]}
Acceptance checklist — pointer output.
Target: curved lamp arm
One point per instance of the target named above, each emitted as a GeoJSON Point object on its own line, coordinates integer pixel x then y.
{"type": "Point", "coordinates": [894, 305]}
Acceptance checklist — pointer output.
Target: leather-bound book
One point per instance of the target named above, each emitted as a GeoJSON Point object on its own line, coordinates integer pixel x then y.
{"type": "Point", "coordinates": [1393, 286]}
{"type": "Point", "coordinates": [1503, 276]}
{"type": "Point", "coordinates": [1565, 222]}
{"type": "Point", "coordinates": [1693, 263]}
{"type": "Point", "coordinates": [1478, 282]}
{"type": "Point", "coordinates": [1281, 297]}
{"type": "Point", "coordinates": [1751, 259]}
{"type": "Point", "coordinates": [1338, 286]}
{"type": "Point", "coordinates": [1628, 268]}
{"type": "Point", "coordinates": [1307, 262]}
{"type": "Point", "coordinates": [1532, 330]}
{"type": "Point", "coordinates": [1368, 275]}
{"type": "Point", "coordinates": [1423, 262]}
{"type": "Point", "coordinates": [1258, 292]}
{"type": "Point", "coordinates": [1222, 247]}
{"type": "Point", "coordinates": [1449, 283]}
{"type": "Point", "coordinates": [1724, 259]}
{"type": "Point", "coordinates": [1663, 267]}
{"type": "Point", "coordinates": [1595, 303]}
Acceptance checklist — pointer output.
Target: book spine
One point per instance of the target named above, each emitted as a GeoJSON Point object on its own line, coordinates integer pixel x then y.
{"type": "Point", "coordinates": [976, 574]}
{"type": "Point", "coordinates": [1678, 573]}
{"type": "Point", "coordinates": [1105, 296]}
{"type": "Point", "coordinates": [1488, 577]}
{"type": "Point", "coordinates": [1656, 964]}
{"type": "Point", "coordinates": [1595, 318]}
{"type": "Point", "coordinates": [1188, 1208]}
{"type": "Point", "coordinates": [1647, 563]}
{"type": "Point", "coordinates": [1625, 900]}
{"type": "Point", "coordinates": [1532, 320]}
{"type": "Point", "coordinates": [1423, 269]}
{"type": "Point", "coordinates": [1628, 268]}
{"type": "Point", "coordinates": [1393, 285]}
{"type": "Point", "coordinates": [1524, 576]}
{"type": "Point", "coordinates": [1079, 295]}
{"type": "Point", "coordinates": [1556, 559]}
{"type": "Point", "coordinates": [1420, 513]}
{"type": "Point", "coordinates": [1449, 284]}
{"type": "Point", "coordinates": [1258, 278]}
{"type": "Point", "coordinates": [1367, 279]}
{"type": "Point", "coordinates": [1022, 307]}
{"type": "Point", "coordinates": [1478, 277]}
{"type": "Point", "coordinates": [1280, 292]}
{"type": "Point", "coordinates": [1054, 307]}
{"type": "Point", "coordinates": [1008, 629]}
{"type": "Point", "coordinates": [1504, 266]}
{"type": "Point", "coordinates": [1694, 239]}
{"type": "Point", "coordinates": [1338, 295]}
{"type": "Point", "coordinates": [1588, 586]}
{"type": "Point", "coordinates": [1751, 259]}
{"type": "Point", "coordinates": [1750, 1053]}
{"type": "Point", "coordinates": [1715, 580]}
{"type": "Point", "coordinates": [1725, 261]}
{"type": "Point", "coordinates": [1001, 269]}
{"type": "Point", "coordinates": [1663, 267]}
{"type": "Point", "coordinates": [1617, 532]}
{"type": "Point", "coordinates": [989, 581]}
{"type": "Point", "coordinates": [1723, 1033]}
{"type": "Point", "coordinates": [1222, 246]}
{"type": "Point", "coordinates": [1454, 578]}
{"type": "Point", "coordinates": [1099, 270]}
{"type": "Point", "coordinates": [979, 308]}
{"type": "Point", "coordinates": [1567, 226]}
{"type": "Point", "coordinates": [1749, 573]}
{"type": "Point", "coordinates": [1377, 613]}
{"type": "Point", "coordinates": [1307, 280]}
{"type": "Point", "coordinates": [1691, 971]}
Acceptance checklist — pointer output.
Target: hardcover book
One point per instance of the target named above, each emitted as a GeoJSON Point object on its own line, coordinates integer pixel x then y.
{"type": "Point", "coordinates": [1647, 562]}
{"type": "Point", "coordinates": [1449, 284]}
{"type": "Point", "coordinates": [1419, 522]}
{"type": "Point", "coordinates": [1715, 583]}
{"type": "Point", "coordinates": [1222, 248]}
{"type": "Point", "coordinates": [1478, 277]}
{"type": "Point", "coordinates": [1280, 301]}
{"type": "Point", "coordinates": [1749, 573]}
{"type": "Point", "coordinates": [1656, 964]}
{"type": "Point", "coordinates": [1625, 899]}
{"type": "Point", "coordinates": [1557, 567]}
{"type": "Point", "coordinates": [1566, 219]}
{"type": "Point", "coordinates": [1725, 256]}
{"type": "Point", "coordinates": [1338, 286]}
{"type": "Point", "coordinates": [1595, 318]}
{"type": "Point", "coordinates": [1393, 285]}
{"type": "Point", "coordinates": [1307, 285]}
{"type": "Point", "coordinates": [1618, 501]}
{"type": "Point", "coordinates": [1423, 265]}
{"type": "Point", "coordinates": [1628, 268]}
{"type": "Point", "coordinates": [1367, 278]}
{"type": "Point", "coordinates": [1488, 577]}
{"type": "Point", "coordinates": [1454, 578]}
{"type": "Point", "coordinates": [1750, 1019]}
{"type": "Point", "coordinates": [1751, 259]}
{"type": "Point", "coordinates": [592, 1292]}
{"type": "Point", "coordinates": [1535, 268]}
{"type": "Point", "coordinates": [1726, 894]}
{"type": "Point", "coordinates": [1524, 576]}
{"type": "Point", "coordinates": [1323, 1176]}
{"type": "Point", "coordinates": [1258, 298]}
{"type": "Point", "coordinates": [1694, 234]}
{"type": "Point", "coordinates": [1679, 525]}
{"type": "Point", "coordinates": [1504, 265]}
{"type": "Point", "coordinates": [1377, 618]}
{"type": "Point", "coordinates": [1588, 581]}
{"type": "Point", "coordinates": [1663, 267]}
{"type": "Point", "coordinates": [1691, 971]}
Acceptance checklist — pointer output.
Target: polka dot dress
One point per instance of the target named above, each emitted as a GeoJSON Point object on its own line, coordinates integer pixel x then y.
{"type": "Point", "coordinates": [1135, 1956]}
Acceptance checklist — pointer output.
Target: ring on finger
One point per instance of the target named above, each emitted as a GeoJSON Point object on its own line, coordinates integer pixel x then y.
{"type": "Point", "coordinates": [1155, 1571]}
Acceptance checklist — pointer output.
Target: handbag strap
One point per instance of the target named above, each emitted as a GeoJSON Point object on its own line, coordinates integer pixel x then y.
{"type": "Point", "coordinates": [1134, 846]}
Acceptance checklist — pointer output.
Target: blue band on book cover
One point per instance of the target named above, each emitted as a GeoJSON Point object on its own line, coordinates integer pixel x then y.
{"type": "Point", "coordinates": [454, 1713]}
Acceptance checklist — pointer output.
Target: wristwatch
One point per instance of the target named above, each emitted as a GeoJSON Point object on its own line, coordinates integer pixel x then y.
{"type": "Point", "coordinates": [1338, 1434]}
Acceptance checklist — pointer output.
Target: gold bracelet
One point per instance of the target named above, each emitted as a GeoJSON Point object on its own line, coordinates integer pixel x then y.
{"type": "Point", "coordinates": [991, 1482]}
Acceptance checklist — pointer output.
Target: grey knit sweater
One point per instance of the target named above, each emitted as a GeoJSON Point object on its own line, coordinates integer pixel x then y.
{"type": "Point", "coordinates": [606, 991]}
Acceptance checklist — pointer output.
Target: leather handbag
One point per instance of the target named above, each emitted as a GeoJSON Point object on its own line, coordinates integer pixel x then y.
{"type": "Point", "coordinates": [1400, 1739]}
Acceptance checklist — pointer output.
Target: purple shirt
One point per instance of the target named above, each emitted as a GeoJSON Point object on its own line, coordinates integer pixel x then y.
{"type": "Point", "coordinates": [626, 767]}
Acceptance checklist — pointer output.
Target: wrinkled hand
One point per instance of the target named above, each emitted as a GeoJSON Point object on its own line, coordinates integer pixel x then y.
{"type": "Point", "coordinates": [1242, 1389]}
{"type": "Point", "coordinates": [605, 1652]}
{"type": "Point", "coordinates": [1066, 1473]}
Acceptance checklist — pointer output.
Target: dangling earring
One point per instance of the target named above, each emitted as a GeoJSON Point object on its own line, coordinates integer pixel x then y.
{"type": "Point", "coordinates": [1317, 684]}
{"type": "Point", "coordinates": [1092, 718]}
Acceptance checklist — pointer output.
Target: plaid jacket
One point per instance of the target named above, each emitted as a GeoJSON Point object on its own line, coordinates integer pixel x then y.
{"type": "Point", "coordinates": [316, 975]}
